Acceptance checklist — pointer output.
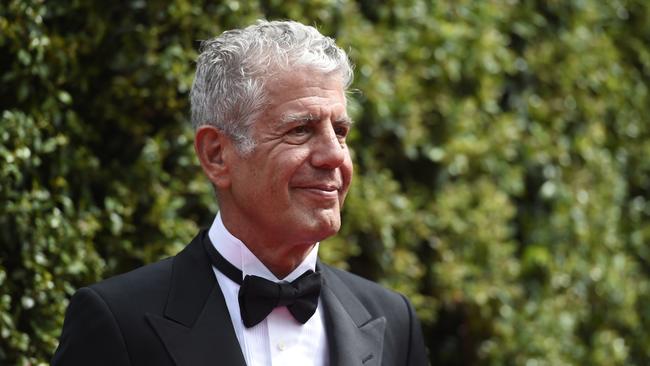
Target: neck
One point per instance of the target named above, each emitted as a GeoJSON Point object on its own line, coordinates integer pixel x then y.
{"type": "Point", "coordinates": [280, 255]}
{"type": "Point", "coordinates": [281, 261]}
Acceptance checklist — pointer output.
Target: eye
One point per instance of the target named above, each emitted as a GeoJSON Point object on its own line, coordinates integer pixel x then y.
{"type": "Point", "coordinates": [341, 131]}
{"type": "Point", "coordinates": [300, 130]}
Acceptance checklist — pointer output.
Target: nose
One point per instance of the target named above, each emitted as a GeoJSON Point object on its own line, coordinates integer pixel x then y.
{"type": "Point", "coordinates": [328, 152]}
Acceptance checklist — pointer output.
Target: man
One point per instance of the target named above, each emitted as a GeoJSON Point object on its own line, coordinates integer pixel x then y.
{"type": "Point", "coordinates": [269, 109]}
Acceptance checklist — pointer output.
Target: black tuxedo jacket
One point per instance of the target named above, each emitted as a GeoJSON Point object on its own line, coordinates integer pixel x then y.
{"type": "Point", "coordinates": [173, 313]}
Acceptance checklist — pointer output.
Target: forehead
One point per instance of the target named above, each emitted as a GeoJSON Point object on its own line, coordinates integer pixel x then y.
{"type": "Point", "coordinates": [305, 92]}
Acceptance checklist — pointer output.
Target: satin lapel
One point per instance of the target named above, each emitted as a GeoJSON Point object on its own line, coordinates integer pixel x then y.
{"type": "Point", "coordinates": [196, 328]}
{"type": "Point", "coordinates": [355, 338]}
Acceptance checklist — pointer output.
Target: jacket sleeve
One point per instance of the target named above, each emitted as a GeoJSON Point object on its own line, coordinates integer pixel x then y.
{"type": "Point", "coordinates": [91, 335]}
{"type": "Point", "coordinates": [417, 354]}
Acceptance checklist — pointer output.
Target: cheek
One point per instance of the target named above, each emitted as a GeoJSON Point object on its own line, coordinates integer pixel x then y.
{"type": "Point", "coordinates": [347, 170]}
{"type": "Point", "coordinates": [346, 177]}
{"type": "Point", "coordinates": [293, 165]}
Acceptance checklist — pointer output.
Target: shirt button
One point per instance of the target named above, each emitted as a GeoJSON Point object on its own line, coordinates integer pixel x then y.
{"type": "Point", "coordinates": [281, 346]}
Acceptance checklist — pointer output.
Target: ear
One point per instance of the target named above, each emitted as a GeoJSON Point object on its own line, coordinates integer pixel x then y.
{"type": "Point", "coordinates": [212, 147]}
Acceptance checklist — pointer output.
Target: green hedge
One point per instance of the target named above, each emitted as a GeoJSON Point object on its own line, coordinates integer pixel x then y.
{"type": "Point", "coordinates": [501, 148]}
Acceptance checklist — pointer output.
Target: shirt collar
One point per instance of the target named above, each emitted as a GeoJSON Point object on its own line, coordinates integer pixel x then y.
{"type": "Point", "coordinates": [238, 254]}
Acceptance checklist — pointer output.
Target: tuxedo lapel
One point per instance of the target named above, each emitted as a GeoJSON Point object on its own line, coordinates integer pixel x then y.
{"type": "Point", "coordinates": [355, 338]}
{"type": "Point", "coordinates": [196, 327]}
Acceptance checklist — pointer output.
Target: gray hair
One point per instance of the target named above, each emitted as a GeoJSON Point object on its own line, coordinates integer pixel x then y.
{"type": "Point", "coordinates": [232, 70]}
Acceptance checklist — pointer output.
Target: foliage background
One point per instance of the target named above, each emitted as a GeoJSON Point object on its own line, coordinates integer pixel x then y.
{"type": "Point", "coordinates": [502, 178]}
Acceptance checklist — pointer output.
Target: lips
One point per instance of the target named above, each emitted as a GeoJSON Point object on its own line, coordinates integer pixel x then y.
{"type": "Point", "coordinates": [322, 190]}
{"type": "Point", "coordinates": [325, 187]}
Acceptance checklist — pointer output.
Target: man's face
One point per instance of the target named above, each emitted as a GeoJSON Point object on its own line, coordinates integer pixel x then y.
{"type": "Point", "coordinates": [291, 187]}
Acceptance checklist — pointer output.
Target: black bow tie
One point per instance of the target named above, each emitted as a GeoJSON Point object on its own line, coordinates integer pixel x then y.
{"type": "Point", "coordinates": [259, 296]}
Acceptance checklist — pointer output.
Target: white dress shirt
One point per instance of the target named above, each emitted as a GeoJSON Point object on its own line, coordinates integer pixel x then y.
{"type": "Point", "coordinates": [279, 339]}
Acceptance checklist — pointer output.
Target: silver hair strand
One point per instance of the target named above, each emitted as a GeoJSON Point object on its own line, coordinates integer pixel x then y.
{"type": "Point", "coordinates": [232, 70]}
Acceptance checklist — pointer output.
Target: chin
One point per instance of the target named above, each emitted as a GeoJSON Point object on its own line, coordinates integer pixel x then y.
{"type": "Point", "coordinates": [328, 229]}
{"type": "Point", "coordinates": [319, 230]}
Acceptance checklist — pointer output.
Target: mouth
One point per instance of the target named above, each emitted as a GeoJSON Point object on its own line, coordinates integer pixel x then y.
{"type": "Point", "coordinates": [322, 191]}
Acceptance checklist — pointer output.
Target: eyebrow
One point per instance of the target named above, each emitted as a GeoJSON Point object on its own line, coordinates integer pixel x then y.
{"type": "Point", "coordinates": [310, 118]}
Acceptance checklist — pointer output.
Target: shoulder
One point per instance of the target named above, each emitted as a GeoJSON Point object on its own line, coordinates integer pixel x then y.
{"type": "Point", "coordinates": [147, 281]}
{"type": "Point", "coordinates": [103, 318]}
{"type": "Point", "coordinates": [370, 294]}
{"type": "Point", "coordinates": [126, 296]}
{"type": "Point", "coordinates": [353, 280]}
{"type": "Point", "coordinates": [403, 341]}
